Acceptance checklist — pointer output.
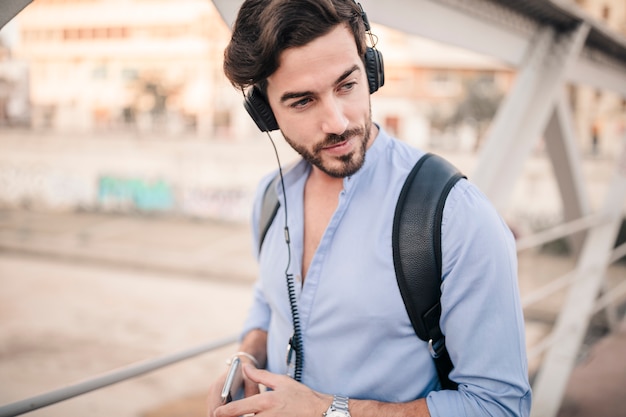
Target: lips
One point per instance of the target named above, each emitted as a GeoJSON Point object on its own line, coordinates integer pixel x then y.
{"type": "Point", "coordinates": [336, 145]}
{"type": "Point", "coordinates": [341, 147]}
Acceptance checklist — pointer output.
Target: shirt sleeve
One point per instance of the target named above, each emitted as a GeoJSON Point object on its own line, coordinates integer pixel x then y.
{"type": "Point", "coordinates": [481, 312]}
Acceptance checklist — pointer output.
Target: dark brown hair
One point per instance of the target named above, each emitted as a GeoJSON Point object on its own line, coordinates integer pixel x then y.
{"type": "Point", "coordinates": [265, 28]}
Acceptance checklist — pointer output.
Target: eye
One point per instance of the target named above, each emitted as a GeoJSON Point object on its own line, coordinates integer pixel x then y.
{"type": "Point", "coordinates": [348, 86]}
{"type": "Point", "coordinates": [300, 104]}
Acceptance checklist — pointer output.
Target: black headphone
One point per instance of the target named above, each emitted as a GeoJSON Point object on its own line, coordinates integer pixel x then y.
{"type": "Point", "coordinates": [259, 109]}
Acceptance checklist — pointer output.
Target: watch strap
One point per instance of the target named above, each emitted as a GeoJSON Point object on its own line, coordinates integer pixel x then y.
{"type": "Point", "coordinates": [340, 404]}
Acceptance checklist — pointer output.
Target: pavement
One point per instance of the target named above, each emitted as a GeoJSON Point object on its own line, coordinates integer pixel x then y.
{"type": "Point", "coordinates": [202, 248]}
{"type": "Point", "coordinates": [216, 250]}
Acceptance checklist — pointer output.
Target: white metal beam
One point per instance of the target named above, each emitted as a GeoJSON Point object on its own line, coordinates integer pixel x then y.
{"type": "Point", "coordinates": [573, 320]}
{"type": "Point", "coordinates": [10, 8]}
{"type": "Point", "coordinates": [523, 116]}
{"type": "Point", "coordinates": [435, 20]}
{"type": "Point", "coordinates": [228, 10]}
{"type": "Point", "coordinates": [564, 153]}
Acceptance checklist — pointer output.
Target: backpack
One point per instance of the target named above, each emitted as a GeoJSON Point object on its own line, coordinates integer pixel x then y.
{"type": "Point", "coordinates": [416, 244]}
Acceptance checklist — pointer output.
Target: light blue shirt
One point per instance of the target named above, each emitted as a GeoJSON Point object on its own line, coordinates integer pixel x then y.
{"type": "Point", "coordinates": [357, 337]}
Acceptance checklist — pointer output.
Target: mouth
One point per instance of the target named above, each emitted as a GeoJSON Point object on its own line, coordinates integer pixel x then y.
{"type": "Point", "coordinates": [336, 145]}
{"type": "Point", "coordinates": [340, 148]}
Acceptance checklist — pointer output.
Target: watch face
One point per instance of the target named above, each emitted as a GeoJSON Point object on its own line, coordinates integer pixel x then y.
{"type": "Point", "coordinates": [336, 414]}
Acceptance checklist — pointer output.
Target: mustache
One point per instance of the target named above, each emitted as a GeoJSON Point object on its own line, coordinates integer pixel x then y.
{"type": "Point", "coordinates": [333, 139]}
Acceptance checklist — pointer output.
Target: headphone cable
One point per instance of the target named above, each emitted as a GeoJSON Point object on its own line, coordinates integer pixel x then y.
{"type": "Point", "coordinates": [295, 342]}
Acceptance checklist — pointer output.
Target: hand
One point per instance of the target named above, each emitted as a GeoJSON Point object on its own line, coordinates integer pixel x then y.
{"type": "Point", "coordinates": [214, 400]}
{"type": "Point", "coordinates": [285, 397]}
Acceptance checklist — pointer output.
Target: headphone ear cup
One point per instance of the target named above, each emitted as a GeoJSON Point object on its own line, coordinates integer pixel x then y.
{"type": "Point", "coordinates": [259, 109]}
{"type": "Point", "coordinates": [374, 68]}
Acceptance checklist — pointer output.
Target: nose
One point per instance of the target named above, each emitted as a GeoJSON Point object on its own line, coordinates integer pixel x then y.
{"type": "Point", "coordinates": [334, 120]}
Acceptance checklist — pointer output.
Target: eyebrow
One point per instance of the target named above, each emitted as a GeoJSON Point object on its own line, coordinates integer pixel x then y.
{"type": "Point", "coordinates": [299, 94]}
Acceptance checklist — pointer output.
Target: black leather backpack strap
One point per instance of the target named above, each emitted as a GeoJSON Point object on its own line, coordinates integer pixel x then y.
{"type": "Point", "coordinates": [416, 242]}
{"type": "Point", "coordinates": [269, 208]}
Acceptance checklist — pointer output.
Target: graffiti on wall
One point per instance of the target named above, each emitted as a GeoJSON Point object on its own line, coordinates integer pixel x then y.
{"type": "Point", "coordinates": [38, 185]}
{"type": "Point", "coordinates": [124, 194]}
{"type": "Point", "coordinates": [127, 194]}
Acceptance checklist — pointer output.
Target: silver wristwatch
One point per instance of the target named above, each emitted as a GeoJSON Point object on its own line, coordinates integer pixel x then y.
{"type": "Point", "coordinates": [339, 407]}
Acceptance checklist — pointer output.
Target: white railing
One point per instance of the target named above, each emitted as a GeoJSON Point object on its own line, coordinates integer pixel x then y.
{"type": "Point", "coordinates": [109, 378]}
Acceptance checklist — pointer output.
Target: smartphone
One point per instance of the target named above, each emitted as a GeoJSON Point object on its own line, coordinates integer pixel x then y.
{"type": "Point", "coordinates": [234, 381]}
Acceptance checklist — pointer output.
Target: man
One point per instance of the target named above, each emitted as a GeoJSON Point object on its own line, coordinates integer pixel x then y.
{"type": "Point", "coordinates": [359, 353]}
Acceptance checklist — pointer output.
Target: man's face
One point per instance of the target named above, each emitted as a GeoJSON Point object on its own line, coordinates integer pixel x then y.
{"type": "Point", "coordinates": [320, 97]}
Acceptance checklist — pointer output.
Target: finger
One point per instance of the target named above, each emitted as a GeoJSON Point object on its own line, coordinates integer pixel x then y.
{"type": "Point", "coordinates": [261, 376]}
{"type": "Point", "coordinates": [250, 387]}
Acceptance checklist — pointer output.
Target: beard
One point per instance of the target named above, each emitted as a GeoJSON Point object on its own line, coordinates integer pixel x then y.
{"type": "Point", "coordinates": [341, 166]}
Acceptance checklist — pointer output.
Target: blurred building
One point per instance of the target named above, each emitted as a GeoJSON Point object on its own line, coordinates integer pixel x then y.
{"type": "Point", "coordinates": [600, 116]}
{"type": "Point", "coordinates": [152, 65]}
